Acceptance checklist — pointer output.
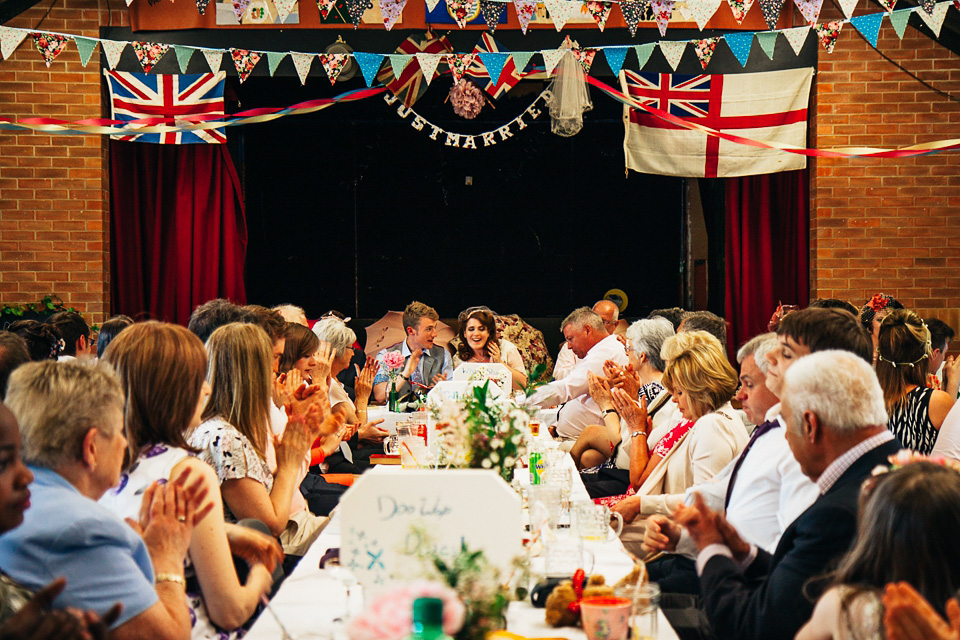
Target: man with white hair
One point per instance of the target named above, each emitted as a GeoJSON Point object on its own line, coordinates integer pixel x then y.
{"type": "Point", "coordinates": [836, 428]}
{"type": "Point", "coordinates": [590, 341]}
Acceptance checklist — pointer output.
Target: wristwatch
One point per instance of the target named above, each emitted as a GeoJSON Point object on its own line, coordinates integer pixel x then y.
{"type": "Point", "coordinates": [607, 411]}
{"type": "Point", "coordinates": [638, 433]}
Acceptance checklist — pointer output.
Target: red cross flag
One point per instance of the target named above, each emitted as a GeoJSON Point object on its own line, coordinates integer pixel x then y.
{"type": "Point", "coordinates": [769, 106]}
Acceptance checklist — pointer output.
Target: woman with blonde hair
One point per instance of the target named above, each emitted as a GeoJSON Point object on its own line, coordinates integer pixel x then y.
{"type": "Point", "coordinates": [161, 369]}
{"type": "Point", "coordinates": [915, 412]}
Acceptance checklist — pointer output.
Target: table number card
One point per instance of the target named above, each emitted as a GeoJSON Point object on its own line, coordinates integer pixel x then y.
{"type": "Point", "coordinates": [384, 513]}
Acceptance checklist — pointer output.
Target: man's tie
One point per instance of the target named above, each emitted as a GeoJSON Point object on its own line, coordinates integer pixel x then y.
{"type": "Point", "coordinates": [759, 431]}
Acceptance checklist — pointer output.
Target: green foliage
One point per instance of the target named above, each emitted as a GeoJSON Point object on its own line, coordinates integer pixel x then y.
{"type": "Point", "coordinates": [47, 306]}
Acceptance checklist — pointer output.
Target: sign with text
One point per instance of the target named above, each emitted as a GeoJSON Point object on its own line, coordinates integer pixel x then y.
{"type": "Point", "coordinates": [390, 517]}
{"type": "Point", "coordinates": [477, 372]}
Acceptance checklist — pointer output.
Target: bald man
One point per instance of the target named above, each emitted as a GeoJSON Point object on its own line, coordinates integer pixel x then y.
{"type": "Point", "coordinates": [567, 359]}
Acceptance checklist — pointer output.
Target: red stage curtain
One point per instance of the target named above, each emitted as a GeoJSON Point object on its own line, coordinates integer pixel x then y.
{"type": "Point", "coordinates": [178, 232]}
{"type": "Point", "coordinates": [767, 249]}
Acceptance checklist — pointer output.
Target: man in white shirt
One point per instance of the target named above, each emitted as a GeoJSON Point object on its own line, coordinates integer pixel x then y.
{"type": "Point", "coordinates": [609, 312]}
{"type": "Point", "coordinates": [589, 340]}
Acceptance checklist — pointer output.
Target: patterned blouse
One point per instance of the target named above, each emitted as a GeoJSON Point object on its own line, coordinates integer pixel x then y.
{"type": "Point", "coordinates": [12, 597]}
{"type": "Point", "coordinates": [910, 421]}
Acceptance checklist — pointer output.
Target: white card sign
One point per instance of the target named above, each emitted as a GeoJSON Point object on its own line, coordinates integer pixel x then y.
{"type": "Point", "coordinates": [384, 508]}
{"type": "Point", "coordinates": [478, 372]}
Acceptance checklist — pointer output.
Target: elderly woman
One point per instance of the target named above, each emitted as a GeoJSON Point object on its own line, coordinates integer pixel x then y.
{"type": "Point", "coordinates": [71, 418]}
{"type": "Point", "coordinates": [711, 434]}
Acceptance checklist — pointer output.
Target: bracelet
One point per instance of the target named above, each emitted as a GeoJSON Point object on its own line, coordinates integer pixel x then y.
{"type": "Point", "coordinates": [170, 577]}
{"type": "Point", "coordinates": [606, 412]}
{"type": "Point", "coordinates": [638, 433]}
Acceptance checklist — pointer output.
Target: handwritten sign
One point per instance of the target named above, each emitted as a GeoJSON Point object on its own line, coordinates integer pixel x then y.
{"type": "Point", "coordinates": [386, 512]}
{"type": "Point", "coordinates": [478, 372]}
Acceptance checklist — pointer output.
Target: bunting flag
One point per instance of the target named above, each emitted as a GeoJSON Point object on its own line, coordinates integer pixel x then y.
{"type": "Point", "coordinates": [702, 10]}
{"type": "Point", "coordinates": [301, 62]}
{"type": "Point", "coordinates": [525, 9]}
{"type": "Point", "coordinates": [847, 6]}
{"type": "Point", "coordinates": [49, 45]}
{"type": "Point", "coordinates": [333, 64]}
{"type": "Point", "coordinates": [521, 59]}
{"type": "Point", "coordinates": [559, 11]}
{"type": "Point", "coordinates": [600, 12]}
{"type": "Point", "coordinates": [10, 39]}
{"type": "Point", "coordinates": [868, 25]}
{"type": "Point", "coordinates": [767, 41]}
{"type": "Point", "coordinates": [239, 8]}
{"type": "Point", "coordinates": [643, 53]}
{"type": "Point", "coordinates": [887, 5]}
{"type": "Point", "coordinates": [632, 11]}
{"type": "Point", "coordinates": [244, 60]}
{"type": "Point", "coordinates": [202, 6]}
{"type": "Point", "coordinates": [325, 6]}
{"type": "Point", "coordinates": [493, 63]}
{"type": "Point", "coordinates": [810, 10]}
{"type": "Point", "coordinates": [705, 48]}
{"type": "Point", "coordinates": [390, 11]}
{"type": "Point", "coordinates": [740, 44]}
{"type": "Point", "coordinates": [284, 8]}
{"type": "Point", "coordinates": [355, 9]}
{"type": "Point", "coordinates": [112, 49]}
{"type": "Point", "coordinates": [459, 63]}
{"type": "Point", "coordinates": [615, 57]}
{"type": "Point", "coordinates": [183, 56]}
{"type": "Point", "coordinates": [935, 21]}
{"type": "Point", "coordinates": [673, 50]}
{"type": "Point", "coordinates": [492, 12]}
{"type": "Point", "coordinates": [796, 37]}
{"type": "Point", "coordinates": [740, 8]}
{"type": "Point", "coordinates": [369, 64]}
{"type": "Point", "coordinates": [585, 57]}
{"type": "Point", "coordinates": [551, 58]}
{"type": "Point", "coordinates": [462, 10]}
{"type": "Point", "coordinates": [134, 96]}
{"type": "Point", "coordinates": [432, 4]}
{"type": "Point", "coordinates": [899, 20]}
{"type": "Point", "coordinates": [85, 47]}
{"type": "Point", "coordinates": [663, 10]}
{"type": "Point", "coordinates": [398, 63]}
{"type": "Point", "coordinates": [408, 84]}
{"type": "Point", "coordinates": [770, 106]}
{"type": "Point", "coordinates": [274, 58]}
{"type": "Point", "coordinates": [214, 58]}
{"type": "Point", "coordinates": [927, 5]}
{"type": "Point", "coordinates": [149, 53]}
{"type": "Point", "coordinates": [828, 32]}
{"type": "Point", "coordinates": [428, 65]}
{"type": "Point", "coordinates": [771, 12]}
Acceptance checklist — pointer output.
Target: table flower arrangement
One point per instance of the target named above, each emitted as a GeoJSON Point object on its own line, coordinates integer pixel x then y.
{"type": "Point", "coordinates": [390, 615]}
{"type": "Point", "coordinates": [393, 361]}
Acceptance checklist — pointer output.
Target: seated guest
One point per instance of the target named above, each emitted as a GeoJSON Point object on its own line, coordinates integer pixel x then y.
{"type": "Point", "coordinates": [43, 340]}
{"type": "Point", "coordinates": [292, 314]}
{"type": "Point", "coordinates": [873, 313]}
{"type": "Point", "coordinates": [216, 313]}
{"type": "Point", "coordinates": [109, 331]}
{"type": "Point", "coordinates": [908, 616]}
{"type": "Point", "coordinates": [234, 438]}
{"type": "Point", "coordinates": [915, 411]}
{"type": "Point", "coordinates": [162, 369]}
{"type": "Point", "coordinates": [918, 502]}
{"type": "Point", "coordinates": [705, 321]}
{"type": "Point", "coordinates": [586, 335]}
{"type": "Point", "coordinates": [942, 369]}
{"type": "Point", "coordinates": [299, 352]}
{"type": "Point", "coordinates": [836, 429]}
{"type": "Point", "coordinates": [75, 333]}
{"type": "Point", "coordinates": [702, 383]}
{"type": "Point", "coordinates": [71, 420]}
{"type": "Point", "coordinates": [673, 314]}
{"type": "Point", "coordinates": [479, 343]}
{"type": "Point", "coordinates": [567, 360]}
{"type": "Point", "coordinates": [13, 353]}
{"type": "Point", "coordinates": [833, 303]}
{"type": "Point", "coordinates": [425, 363]}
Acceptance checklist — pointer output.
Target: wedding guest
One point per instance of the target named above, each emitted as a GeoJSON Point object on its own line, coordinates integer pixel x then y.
{"type": "Point", "coordinates": [477, 330]}
{"type": "Point", "coordinates": [908, 616]}
{"type": "Point", "coordinates": [833, 303]}
{"type": "Point", "coordinates": [109, 331]}
{"type": "Point", "coordinates": [43, 340]}
{"type": "Point", "coordinates": [705, 321]}
{"type": "Point", "coordinates": [425, 363]}
{"type": "Point", "coordinates": [13, 353]}
{"type": "Point", "coordinates": [299, 352]}
{"type": "Point", "coordinates": [567, 360]}
{"type": "Point", "coordinates": [920, 501]}
{"type": "Point", "coordinates": [673, 314]}
{"type": "Point", "coordinates": [915, 411]}
{"type": "Point", "coordinates": [940, 364]}
{"type": "Point", "coordinates": [216, 313]}
{"type": "Point", "coordinates": [874, 311]}
{"type": "Point", "coordinates": [162, 369]}
{"type": "Point", "coordinates": [75, 333]}
{"type": "Point", "coordinates": [71, 420]}
{"type": "Point", "coordinates": [292, 314]}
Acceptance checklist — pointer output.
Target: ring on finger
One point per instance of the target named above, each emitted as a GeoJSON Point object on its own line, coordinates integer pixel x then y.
{"type": "Point", "coordinates": [182, 518]}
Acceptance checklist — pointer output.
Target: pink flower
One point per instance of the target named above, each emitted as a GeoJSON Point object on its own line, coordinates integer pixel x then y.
{"type": "Point", "coordinates": [393, 360]}
{"type": "Point", "coordinates": [390, 615]}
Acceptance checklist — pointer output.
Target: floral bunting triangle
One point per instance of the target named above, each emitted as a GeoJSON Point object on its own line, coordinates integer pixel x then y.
{"type": "Point", "coordinates": [585, 58]}
{"type": "Point", "coordinates": [740, 44]}
{"type": "Point", "coordinates": [493, 63]}
{"type": "Point", "coordinates": [462, 10]}
{"type": "Point", "coordinates": [767, 41]}
{"type": "Point", "coordinates": [847, 6]}
{"type": "Point", "coordinates": [705, 48]}
{"type": "Point", "coordinates": [112, 50]}
{"type": "Point", "coordinates": [702, 10]}
{"type": "Point", "coordinates": [935, 21]}
{"type": "Point", "coordinates": [10, 39]}
{"type": "Point", "coordinates": [927, 5]}
{"type": "Point", "coordinates": [85, 47]}
{"type": "Point", "coordinates": [491, 12]}
{"type": "Point", "coordinates": [796, 37]}
{"type": "Point", "coordinates": [324, 6]}
{"type": "Point", "coordinates": [390, 11]}
{"type": "Point", "coordinates": [810, 10]}
{"type": "Point", "coordinates": [899, 20]}
{"type": "Point", "coordinates": [551, 58]}
{"type": "Point", "coordinates": [284, 8]}
{"type": "Point", "coordinates": [428, 64]}
{"type": "Point", "coordinates": [214, 58]}
{"type": "Point", "coordinates": [244, 60]}
{"type": "Point", "coordinates": [868, 25]}
{"type": "Point", "coordinates": [559, 11]}
{"type": "Point", "coordinates": [600, 12]}
{"type": "Point", "coordinates": [369, 64]}
{"type": "Point", "coordinates": [828, 32]}
{"type": "Point", "coordinates": [663, 10]}
{"type": "Point", "coordinates": [50, 45]}
{"type": "Point", "coordinates": [239, 8]}
{"type": "Point", "coordinates": [632, 11]}
{"type": "Point", "coordinates": [183, 56]}
{"type": "Point", "coordinates": [887, 5]}
{"type": "Point", "coordinates": [525, 9]}
{"type": "Point", "coordinates": [673, 50]}
{"type": "Point", "coordinates": [521, 59]}
{"type": "Point", "coordinates": [333, 64]}
{"type": "Point", "coordinates": [459, 63]}
{"type": "Point", "coordinates": [274, 58]}
{"type": "Point", "coordinates": [432, 4]}
{"type": "Point", "coordinates": [149, 53]}
{"type": "Point", "coordinates": [302, 63]}
{"type": "Point", "coordinates": [740, 8]}
{"type": "Point", "coordinates": [202, 6]}
{"type": "Point", "coordinates": [355, 9]}
{"type": "Point", "coordinates": [399, 62]}
{"type": "Point", "coordinates": [771, 12]}
{"type": "Point", "coordinates": [615, 57]}
{"type": "Point", "coordinates": [643, 52]}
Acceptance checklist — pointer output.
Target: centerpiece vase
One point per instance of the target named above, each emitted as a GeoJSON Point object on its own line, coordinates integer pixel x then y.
{"type": "Point", "coordinates": [393, 402]}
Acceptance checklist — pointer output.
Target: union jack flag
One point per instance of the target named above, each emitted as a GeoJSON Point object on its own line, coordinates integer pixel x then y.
{"type": "Point", "coordinates": [509, 76]}
{"type": "Point", "coordinates": [410, 85]}
{"type": "Point", "coordinates": [145, 95]}
{"type": "Point", "coordinates": [769, 106]}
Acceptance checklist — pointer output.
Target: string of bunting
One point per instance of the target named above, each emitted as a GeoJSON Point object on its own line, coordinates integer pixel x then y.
{"type": "Point", "coordinates": [51, 44]}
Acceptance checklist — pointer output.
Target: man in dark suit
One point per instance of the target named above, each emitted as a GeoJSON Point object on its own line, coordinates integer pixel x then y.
{"type": "Point", "coordinates": [836, 428]}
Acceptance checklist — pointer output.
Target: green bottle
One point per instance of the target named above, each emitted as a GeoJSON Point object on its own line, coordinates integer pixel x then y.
{"type": "Point", "coordinates": [428, 620]}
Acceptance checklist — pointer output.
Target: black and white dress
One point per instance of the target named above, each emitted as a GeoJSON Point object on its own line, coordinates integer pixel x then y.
{"type": "Point", "coordinates": [910, 421]}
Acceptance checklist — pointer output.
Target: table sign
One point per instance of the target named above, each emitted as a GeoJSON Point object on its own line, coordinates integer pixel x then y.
{"type": "Point", "coordinates": [384, 509]}
{"type": "Point", "coordinates": [477, 372]}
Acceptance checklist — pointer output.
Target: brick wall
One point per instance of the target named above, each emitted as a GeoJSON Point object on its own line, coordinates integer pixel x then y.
{"type": "Point", "coordinates": [890, 225]}
{"type": "Point", "coordinates": [54, 215]}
